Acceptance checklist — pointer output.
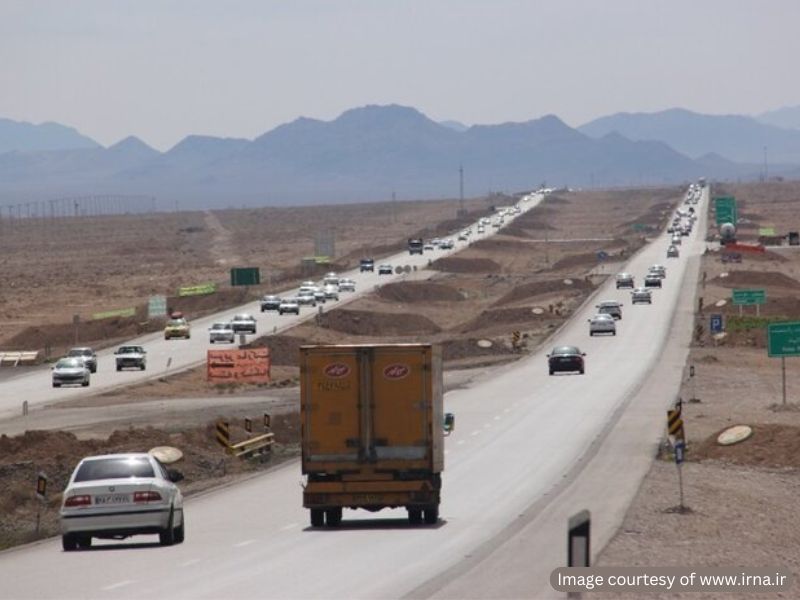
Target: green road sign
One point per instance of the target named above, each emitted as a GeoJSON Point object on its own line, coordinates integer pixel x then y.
{"type": "Point", "coordinates": [769, 231]}
{"type": "Point", "coordinates": [749, 297]}
{"type": "Point", "coordinates": [245, 276]}
{"type": "Point", "coordinates": [725, 207]}
{"type": "Point", "coordinates": [783, 339]}
{"type": "Point", "coordinates": [157, 307]}
{"type": "Point", "coordinates": [122, 312]}
{"type": "Point", "coordinates": [197, 290]}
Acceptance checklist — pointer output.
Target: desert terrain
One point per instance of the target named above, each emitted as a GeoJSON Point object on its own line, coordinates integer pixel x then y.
{"type": "Point", "coordinates": [741, 497]}
{"type": "Point", "coordinates": [528, 279]}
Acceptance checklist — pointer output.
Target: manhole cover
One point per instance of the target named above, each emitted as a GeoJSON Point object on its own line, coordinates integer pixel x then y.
{"type": "Point", "coordinates": [166, 454]}
{"type": "Point", "coordinates": [720, 303]}
{"type": "Point", "coordinates": [537, 310]}
{"type": "Point", "coordinates": [734, 435]}
{"type": "Point", "coordinates": [485, 343]}
{"type": "Point", "coordinates": [568, 282]}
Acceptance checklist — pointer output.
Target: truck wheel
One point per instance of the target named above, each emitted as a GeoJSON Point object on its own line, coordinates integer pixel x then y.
{"type": "Point", "coordinates": [431, 515]}
{"type": "Point", "coordinates": [334, 516]}
{"type": "Point", "coordinates": [415, 516]}
{"type": "Point", "coordinates": [84, 541]}
{"type": "Point", "coordinates": [119, 368]}
{"type": "Point", "coordinates": [143, 367]}
{"type": "Point", "coordinates": [166, 537]}
{"type": "Point", "coordinates": [317, 517]}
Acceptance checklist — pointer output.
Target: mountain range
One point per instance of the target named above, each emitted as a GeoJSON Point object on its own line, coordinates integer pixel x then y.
{"type": "Point", "coordinates": [368, 153]}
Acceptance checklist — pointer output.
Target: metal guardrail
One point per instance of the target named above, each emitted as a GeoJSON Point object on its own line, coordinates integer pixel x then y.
{"type": "Point", "coordinates": [17, 358]}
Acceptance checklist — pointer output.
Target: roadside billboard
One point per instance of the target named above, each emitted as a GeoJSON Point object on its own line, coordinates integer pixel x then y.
{"type": "Point", "coordinates": [250, 365]}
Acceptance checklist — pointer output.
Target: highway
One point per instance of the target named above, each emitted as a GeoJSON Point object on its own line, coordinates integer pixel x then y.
{"type": "Point", "coordinates": [170, 356]}
{"type": "Point", "coordinates": [520, 435]}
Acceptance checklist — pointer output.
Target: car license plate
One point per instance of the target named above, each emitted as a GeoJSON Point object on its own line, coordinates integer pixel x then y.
{"type": "Point", "coordinates": [111, 499]}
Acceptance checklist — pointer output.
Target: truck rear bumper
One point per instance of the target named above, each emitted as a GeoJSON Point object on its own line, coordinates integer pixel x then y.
{"type": "Point", "coordinates": [371, 495]}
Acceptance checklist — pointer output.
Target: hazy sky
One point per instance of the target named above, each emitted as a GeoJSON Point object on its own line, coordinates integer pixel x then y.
{"type": "Point", "coordinates": [163, 69]}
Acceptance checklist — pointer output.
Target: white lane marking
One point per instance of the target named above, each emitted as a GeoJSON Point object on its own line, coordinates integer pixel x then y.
{"type": "Point", "coordinates": [461, 442]}
{"type": "Point", "coordinates": [506, 410]}
{"type": "Point", "coordinates": [120, 584]}
{"type": "Point", "coordinates": [497, 418]}
{"type": "Point", "coordinates": [244, 543]}
{"type": "Point", "coordinates": [289, 526]}
{"type": "Point", "coordinates": [476, 432]}
{"type": "Point", "coordinates": [487, 426]}
{"type": "Point", "coordinates": [191, 562]}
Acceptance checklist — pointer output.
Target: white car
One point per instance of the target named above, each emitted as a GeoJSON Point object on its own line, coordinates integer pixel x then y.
{"type": "Point", "coordinates": [289, 305]}
{"type": "Point", "coordinates": [306, 296]}
{"type": "Point", "coordinates": [331, 292]}
{"type": "Point", "coordinates": [71, 371]}
{"type": "Point", "coordinates": [602, 323]}
{"type": "Point", "coordinates": [119, 495]}
{"type": "Point", "coordinates": [385, 270]}
{"type": "Point", "coordinates": [127, 357]}
{"type": "Point", "coordinates": [347, 285]}
{"type": "Point", "coordinates": [331, 279]}
{"type": "Point", "coordinates": [221, 332]}
{"type": "Point", "coordinates": [243, 323]}
{"type": "Point", "coordinates": [447, 244]}
{"type": "Point", "coordinates": [641, 296]}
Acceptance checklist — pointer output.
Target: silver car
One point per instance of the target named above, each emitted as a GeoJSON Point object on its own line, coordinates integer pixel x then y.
{"type": "Point", "coordinates": [641, 296]}
{"type": "Point", "coordinates": [289, 305]}
{"type": "Point", "coordinates": [221, 332]}
{"type": "Point", "coordinates": [331, 292]}
{"type": "Point", "coordinates": [119, 495]}
{"type": "Point", "coordinates": [71, 371]}
{"type": "Point", "coordinates": [625, 280]}
{"type": "Point", "coordinates": [130, 357]}
{"type": "Point", "coordinates": [243, 323]}
{"type": "Point", "coordinates": [87, 354]}
{"type": "Point", "coordinates": [602, 323]}
{"type": "Point", "coordinates": [305, 297]}
{"type": "Point", "coordinates": [347, 285]}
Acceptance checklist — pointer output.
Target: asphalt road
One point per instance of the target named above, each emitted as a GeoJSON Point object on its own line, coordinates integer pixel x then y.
{"type": "Point", "coordinates": [519, 435]}
{"type": "Point", "coordinates": [169, 356]}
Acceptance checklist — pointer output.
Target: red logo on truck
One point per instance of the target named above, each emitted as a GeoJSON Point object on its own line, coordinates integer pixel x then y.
{"type": "Point", "coordinates": [396, 371]}
{"type": "Point", "coordinates": [337, 370]}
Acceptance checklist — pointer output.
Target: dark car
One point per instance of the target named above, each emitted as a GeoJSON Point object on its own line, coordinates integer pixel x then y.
{"type": "Point", "coordinates": [367, 264]}
{"type": "Point", "coordinates": [652, 281]}
{"type": "Point", "coordinates": [88, 355]}
{"type": "Point", "coordinates": [566, 358]}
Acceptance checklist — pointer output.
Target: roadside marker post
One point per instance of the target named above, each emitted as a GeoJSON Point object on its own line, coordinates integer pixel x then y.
{"type": "Point", "coordinates": [693, 398]}
{"type": "Point", "coordinates": [41, 493]}
{"type": "Point", "coordinates": [223, 433]}
{"type": "Point", "coordinates": [578, 543]}
{"type": "Point", "coordinates": [675, 430]}
{"type": "Point", "coordinates": [248, 425]}
{"type": "Point", "coordinates": [267, 421]}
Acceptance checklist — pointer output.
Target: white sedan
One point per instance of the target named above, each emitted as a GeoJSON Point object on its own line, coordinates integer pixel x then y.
{"type": "Point", "coordinates": [116, 496]}
{"type": "Point", "coordinates": [602, 323]}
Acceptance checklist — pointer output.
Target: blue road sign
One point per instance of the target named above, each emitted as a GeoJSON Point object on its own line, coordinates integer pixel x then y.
{"type": "Point", "coordinates": [602, 255]}
{"type": "Point", "coordinates": [680, 449]}
{"type": "Point", "coordinates": [716, 324]}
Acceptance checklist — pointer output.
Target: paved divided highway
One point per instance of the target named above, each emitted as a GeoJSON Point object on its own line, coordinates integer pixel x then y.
{"type": "Point", "coordinates": [518, 435]}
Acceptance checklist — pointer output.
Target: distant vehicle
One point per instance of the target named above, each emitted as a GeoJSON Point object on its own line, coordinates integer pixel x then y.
{"type": "Point", "coordinates": [602, 323]}
{"type": "Point", "coordinates": [385, 270]}
{"type": "Point", "coordinates": [481, 229]}
{"type": "Point", "coordinates": [71, 371]}
{"type": "Point", "coordinates": [641, 296]}
{"type": "Point", "coordinates": [447, 244]}
{"type": "Point", "coordinates": [221, 332]}
{"type": "Point", "coordinates": [429, 246]}
{"type": "Point", "coordinates": [289, 305]}
{"type": "Point", "coordinates": [566, 358]}
{"type": "Point", "coordinates": [331, 279]}
{"type": "Point", "coordinates": [176, 314]}
{"type": "Point", "coordinates": [270, 303]}
{"type": "Point", "coordinates": [306, 297]}
{"type": "Point", "coordinates": [177, 328]}
{"type": "Point", "coordinates": [415, 246]}
{"type": "Point", "coordinates": [652, 280]}
{"type": "Point", "coordinates": [367, 264]}
{"type": "Point", "coordinates": [610, 307]}
{"type": "Point", "coordinates": [87, 354]}
{"type": "Point", "coordinates": [676, 239]}
{"type": "Point", "coordinates": [319, 295]}
{"type": "Point", "coordinates": [347, 285]}
{"type": "Point", "coordinates": [462, 237]}
{"type": "Point", "coordinates": [331, 292]}
{"type": "Point", "coordinates": [244, 323]}
{"type": "Point", "coordinates": [119, 495]}
{"type": "Point", "coordinates": [672, 252]}
{"type": "Point", "coordinates": [625, 280]}
{"type": "Point", "coordinates": [130, 357]}
{"type": "Point", "coordinates": [659, 270]}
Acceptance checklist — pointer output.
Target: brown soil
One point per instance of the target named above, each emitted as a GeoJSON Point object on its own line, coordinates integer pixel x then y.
{"type": "Point", "coordinates": [741, 278]}
{"type": "Point", "coordinates": [412, 292]}
{"type": "Point", "coordinates": [771, 445]}
{"type": "Point", "coordinates": [538, 288]}
{"type": "Point", "coordinates": [457, 264]}
{"type": "Point", "coordinates": [358, 322]}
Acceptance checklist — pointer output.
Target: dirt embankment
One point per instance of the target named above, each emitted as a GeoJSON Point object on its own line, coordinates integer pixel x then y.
{"type": "Point", "coordinates": [457, 264]}
{"type": "Point", "coordinates": [360, 322]}
{"type": "Point", "coordinates": [739, 278]}
{"type": "Point", "coordinates": [412, 292]}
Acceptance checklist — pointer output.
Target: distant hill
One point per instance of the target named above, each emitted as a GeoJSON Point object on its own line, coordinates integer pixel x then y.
{"type": "Point", "coordinates": [737, 138]}
{"type": "Point", "coordinates": [365, 154]}
{"type": "Point", "coordinates": [787, 117]}
{"type": "Point", "coordinates": [27, 137]}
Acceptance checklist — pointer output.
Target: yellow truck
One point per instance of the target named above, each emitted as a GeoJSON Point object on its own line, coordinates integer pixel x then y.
{"type": "Point", "coordinates": [372, 429]}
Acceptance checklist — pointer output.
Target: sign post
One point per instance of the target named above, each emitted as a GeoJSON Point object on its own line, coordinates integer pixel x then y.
{"type": "Point", "coordinates": [749, 297]}
{"type": "Point", "coordinates": [783, 339]}
{"type": "Point", "coordinates": [676, 433]}
{"type": "Point", "coordinates": [725, 210]}
{"type": "Point", "coordinates": [716, 324]}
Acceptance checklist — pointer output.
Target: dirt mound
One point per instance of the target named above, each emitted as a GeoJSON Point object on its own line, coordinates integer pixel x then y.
{"type": "Point", "coordinates": [494, 243]}
{"type": "Point", "coordinates": [771, 445]}
{"type": "Point", "coordinates": [584, 259]}
{"type": "Point", "coordinates": [537, 288]}
{"type": "Point", "coordinates": [456, 264]}
{"type": "Point", "coordinates": [552, 199]}
{"type": "Point", "coordinates": [284, 350]}
{"type": "Point", "coordinates": [467, 348]}
{"type": "Point", "coordinates": [361, 322]}
{"type": "Point", "coordinates": [503, 316]}
{"type": "Point", "coordinates": [757, 278]}
{"type": "Point", "coordinates": [418, 291]}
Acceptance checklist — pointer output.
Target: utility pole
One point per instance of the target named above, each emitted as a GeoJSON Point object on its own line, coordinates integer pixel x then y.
{"type": "Point", "coordinates": [766, 169]}
{"type": "Point", "coordinates": [461, 210]}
